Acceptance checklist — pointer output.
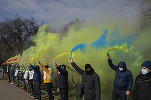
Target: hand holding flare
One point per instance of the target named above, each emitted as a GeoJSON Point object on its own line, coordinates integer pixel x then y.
{"type": "Point", "coordinates": [39, 62]}
{"type": "Point", "coordinates": [71, 60]}
{"type": "Point", "coordinates": [108, 55]}
{"type": "Point", "coordinates": [55, 64]}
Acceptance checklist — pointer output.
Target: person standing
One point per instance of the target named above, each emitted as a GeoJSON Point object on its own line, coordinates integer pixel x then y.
{"type": "Point", "coordinates": [8, 72]}
{"type": "Point", "coordinates": [2, 66]}
{"type": "Point", "coordinates": [47, 79]}
{"type": "Point", "coordinates": [23, 70]}
{"type": "Point", "coordinates": [12, 72]}
{"type": "Point", "coordinates": [5, 71]}
{"type": "Point", "coordinates": [18, 75]}
{"type": "Point", "coordinates": [62, 81]}
{"type": "Point", "coordinates": [37, 81]}
{"type": "Point", "coordinates": [123, 80]}
{"type": "Point", "coordinates": [142, 85]}
{"type": "Point", "coordinates": [90, 86]}
{"type": "Point", "coordinates": [26, 79]}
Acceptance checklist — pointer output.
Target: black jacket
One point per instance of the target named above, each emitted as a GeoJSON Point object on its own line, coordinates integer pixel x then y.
{"type": "Point", "coordinates": [90, 85]}
{"type": "Point", "coordinates": [4, 68]}
{"type": "Point", "coordinates": [123, 79]}
{"type": "Point", "coordinates": [62, 78]}
{"type": "Point", "coordinates": [142, 87]}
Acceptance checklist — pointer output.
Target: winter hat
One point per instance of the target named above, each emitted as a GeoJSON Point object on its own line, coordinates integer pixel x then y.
{"type": "Point", "coordinates": [37, 67]}
{"type": "Point", "coordinates": [63, 66]}
{"type": "Point", "coordinates": [87, 66]}
{"type": "Point", "coordinates": [147, 64]}
{"type": "Point", "coordinates": [46, 66]}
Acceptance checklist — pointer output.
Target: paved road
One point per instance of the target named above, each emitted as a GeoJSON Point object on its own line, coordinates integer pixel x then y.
{"type": "Point", "coordinates": [10, 92]}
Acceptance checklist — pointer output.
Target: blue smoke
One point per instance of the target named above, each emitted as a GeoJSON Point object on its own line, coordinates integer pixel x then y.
{"type": "Point", "coordinates": [101, 41]}
{"type": "Point", "coordinates": [78, 46]}
{"type": "Point", "coordinates": [114, 39]}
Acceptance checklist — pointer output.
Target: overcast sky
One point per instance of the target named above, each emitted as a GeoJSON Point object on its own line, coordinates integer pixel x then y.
{"type": "Point", "coordinates": [60, 12]}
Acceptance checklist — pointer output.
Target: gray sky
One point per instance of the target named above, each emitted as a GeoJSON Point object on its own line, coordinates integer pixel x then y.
{"type": "Point", "coordinates": [60, 12]}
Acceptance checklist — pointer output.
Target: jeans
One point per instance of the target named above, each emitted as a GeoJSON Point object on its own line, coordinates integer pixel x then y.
{"type": "Point", "coordinates": [48, 87]}
{"type": "Point", "coordinates": [119, 94]}
{"type": "Point", "coordinates": [25, 86]}
{"type": "Point", "coordinates": [37, 89]}
{"type": "Point", "coordinates": [64, 93]}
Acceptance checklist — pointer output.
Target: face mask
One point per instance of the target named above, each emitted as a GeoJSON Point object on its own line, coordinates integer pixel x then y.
{"type": "Point", "coordinates": [121, 69]}
{"type": "Point", "coordinates": [144, 71]}
{"type": "Point", "coordinates": [89, 72]}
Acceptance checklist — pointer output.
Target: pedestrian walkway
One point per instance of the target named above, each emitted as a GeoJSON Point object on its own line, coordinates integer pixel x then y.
{"type": "Point", "coordinates": [10, 92]}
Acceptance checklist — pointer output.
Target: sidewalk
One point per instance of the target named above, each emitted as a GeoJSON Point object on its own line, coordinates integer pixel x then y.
{"type": "Point", "coordinates": [10, 92]}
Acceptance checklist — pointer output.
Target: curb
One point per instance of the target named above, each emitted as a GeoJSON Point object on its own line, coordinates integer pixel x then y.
{"type": "Point", "coordinates": [23, 91]}
{"type": "Point", "coordinates": [29, 94]}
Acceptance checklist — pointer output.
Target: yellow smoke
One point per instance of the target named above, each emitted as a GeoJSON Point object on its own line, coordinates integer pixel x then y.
{"type": "Point", "coordinates": [49, 45]}
{"type": "Point", "coordinates": [122, 47]}
{"type": "Point", "coordinates": [62, 55]}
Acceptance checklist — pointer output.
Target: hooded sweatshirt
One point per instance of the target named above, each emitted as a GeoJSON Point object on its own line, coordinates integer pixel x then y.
{"type": "Point", "coordinates": [123, 79]}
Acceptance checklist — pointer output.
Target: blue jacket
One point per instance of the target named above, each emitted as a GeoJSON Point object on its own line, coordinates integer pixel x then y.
{"type": "Point", "coordinates": [123, 79]}
{"type": "Point", "coordinates": [37, 74]}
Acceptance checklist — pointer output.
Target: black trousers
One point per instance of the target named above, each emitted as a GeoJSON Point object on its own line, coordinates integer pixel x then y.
{"type": "Point", "coordinates": [37, 89]}
{"type": "Point", "coordinates": [9, 78]}
{"type": "Point", "coordinates": [119, 94]}
{"type": "Point", "coordinates": [64, 93]}
{"type": "Point", "coordinates": [31, 86]}
{"type": "Point", "coordinates": [48, 87]}
{"type": "Point", "coordinates": [18, 78]}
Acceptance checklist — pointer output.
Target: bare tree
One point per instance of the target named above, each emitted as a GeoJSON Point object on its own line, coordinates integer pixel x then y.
{"type": "Point", "coordinates": [14, 33]}
{"type": "Point", "coordinates": [145, 19]}
{"type": "Point", "coordinates": [76, 24]}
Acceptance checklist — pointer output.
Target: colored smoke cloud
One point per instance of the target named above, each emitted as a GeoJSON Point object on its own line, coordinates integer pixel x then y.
{"type": "Point", "coordinates": [50, 45]}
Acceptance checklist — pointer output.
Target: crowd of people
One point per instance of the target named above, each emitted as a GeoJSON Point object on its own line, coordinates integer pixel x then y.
{"type": "Point", "coordinates": [90, 88]}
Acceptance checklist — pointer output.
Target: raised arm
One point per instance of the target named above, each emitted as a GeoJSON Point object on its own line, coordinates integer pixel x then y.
{"type": "Point", "coordinates": [79, 70]}
{"type": "Point", "coordinates": [43, 67]}
{"type": "Point", "coordinates": [64, 72]}
{"type": "Point", "coordinates": [35, 70]}
{"type": "Point", "coordinates": [32, 67]}
{"type": "Point", "coordinates": [110, 62]}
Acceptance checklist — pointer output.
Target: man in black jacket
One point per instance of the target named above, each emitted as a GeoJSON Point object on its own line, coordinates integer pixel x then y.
{"type": "Point", "coordinates": [123, 80]}
{"type": "Point", "coordinates": [62, 81]}
{"type": "Point", "coordinates": [142, 85]}
{"type": "Point", "coordinates": [90, 86]}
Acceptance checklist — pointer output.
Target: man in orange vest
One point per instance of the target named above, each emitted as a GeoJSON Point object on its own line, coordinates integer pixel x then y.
{"type": "Point", "coordinates": [47, 79]}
